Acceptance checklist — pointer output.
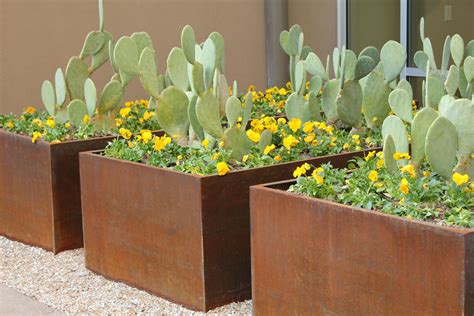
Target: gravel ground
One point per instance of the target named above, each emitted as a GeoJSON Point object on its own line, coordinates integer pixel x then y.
{"type": "Point", "coordinates": [63, 282]}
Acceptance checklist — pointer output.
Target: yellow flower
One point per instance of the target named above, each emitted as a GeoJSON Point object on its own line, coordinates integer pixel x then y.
{"type": "Point", "coordinates": [308, 127]}
{"type": "Point", "coordinates": [146, 135]}
{"type": "Point", "coordinates": [370, 155]}
{"type": "Point", "coordinates": [215, 156]}
{"type": "Point", "coordinates": [309, 138]}
{"type": "Point", "coordinates": [294, 124]}
{"type": "Point", "coordinates": [253, 136]}
{"type": "Point", "coordinates": [129, 104]}
{"type": "Point", "coordinates": [124, 112]}
{"type": "Point", "coordinates": [282, 91]}
{"type": "Point", "coordinates": [378, 184]}
{"type": "Point", "coordinates": [373, 176]}
{"type": "Point", "coordinates": [426, 174]}
{"type": "Point", "coordinates": [9, 124]}
{"type": "Point", "coordinates": [346, 146]}
{"type": "Point", "coordinates": [50, 122]}
{"type": "Point", "coordinates": [251, 88]}
{"type": "Point", "coordinates": [86, 119]}
{"type": "Point", "coordinates": [460, 179]}
{"type": "Point", "coordinates": [299, 171]}
{"type": "Point", "coordinates": [380, 163]}
{"type": "Point", "coordinates": [130, 144]}
{"type": "Point", "coordinates": [404, 188]}
{"type": "Point", "coordinates": [277, 158]}
{"type": "Point", "coordinates": [221, 144]}
{"type": "Point", "coordinates": [30, 110]}
{"type": "Point", "coordinates": [319, 179]}
{"type": "Point", "coordinates": [268, 149]}
{"type": "Point", "coordinates": [401, 156]}
{"type": "Point", "coordinates": [222, 168]}
{"type": "Point", "coordinates": [125, 133]}
{"type": "Point", "coordinates": [161, 142]}
{"type": "Point", "coordinates": [67, 125]}
{"type": "Point", "coordinates": [147, 115]}
{"type": "Point", "coordinates": [410, 169]}
{"type": "Point", "coordinates": [290, 141]}
{"type": "Point", "coordinates": [118, 122]}
{"type": "Point", "coordinates": [281, 121]}
{"type": "Point", "coordinates": [37, 122]}
{"type": "Point", "coordinates": [205, 143]}
{"type": "Point", "coordinates": [36, 135]}
{"type": "Point", "coordinates": [356, 139]}
{"type": "Point", "coordinates": [245, 158]}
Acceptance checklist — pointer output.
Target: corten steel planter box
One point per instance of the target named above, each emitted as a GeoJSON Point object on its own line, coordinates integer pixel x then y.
{"type": "Point", "coordinates": [183, 237]}
{"type": "Point", "coordinates": [311, 256]}
{"type": "Point", "coordinates": [40, 200]}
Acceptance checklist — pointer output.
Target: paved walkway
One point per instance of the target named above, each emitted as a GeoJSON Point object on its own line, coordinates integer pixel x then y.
{"type": "Point", "coordinates": [14, 303]}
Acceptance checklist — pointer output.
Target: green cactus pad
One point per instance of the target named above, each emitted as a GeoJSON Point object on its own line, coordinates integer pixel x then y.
{"type": "Point", "coordinates": [330, 93]}
{"type": "Point", "coordinates": [247, 111]}
{"type": "Point", "coordinates": [125, 78]}
{"type": "Point", "coordinates": [126, 55]}
{"type": "Point", "coordinates": [178, 68]}
{"type": "Point", "coordinates": [233, 110]}
{"type": "Point", "coordinates": [405, 85]}
{"type": "Point", "coordinates": [90, 95]}
{"type": "Point", "coordinates": [148, 73]}
{"type": "Point", "coordinates": [265, 140]}
{"type": "Point", "coordinates": [350, 61]}
{"type": "Point", "coordinates": [364, 66]}
{"type": "Point", "coordinates": [375, 101]}
{"type": "Point", "coordinates": [393, 57]}
{"type": "Point", "coordinates": [208, 114]}
{"type": "Point", "coordinates": [314, 107]}
{"type": "Point", "coordinates": [452, 81]}
{"type": "Point", "coordinates": [197, 75]}
{"type": "Point", "coordinates": [296, 107]}
{"type": "Point", "coordinates": [446, 55]}
{"type": "Point", "coordinates": [172, 113]}
{"type": "Point", "coordinates": [300, 76]}
{"type": "Point", "coordinates": [469, 68]}
{"type": "Point", "coordinates": [421, 60]}
{"type": "Point", "coordinates": [143, 40]}
{"type": "Point", "coordinates": [111, 97]}
{"type": "Point", "coordinates": [371, 52]}
{"type": "Point", "coordinates": [314, 66]}
{"type": "Point", "coordinates": [236, 140]}
{"type": "Point", "coordinates": [48, 96]}
{"type": "Point", "coordinates": [188, 43]}
{"type": "Point", "coordinates": [76, 110]}
{"type": "Point", "coordinates": [336, 59]}
{"type": "Point", "coordinates": [285, 42]}
{"type": "Point", "coordinates": [197, 128]}
{"type": "Point", "coordinates": [421, 123]}
{"type": "Point", "coordinates": [93, 43]}
{"type": "Point", "coordinates": [434, 92]}
{"type": "Point", "coordinates": [349, 104]}
{"type": "Point", "coordinates": [470, 48]}
{"type": "Point", "coordinates": [400, 103]}
{"type": "Point", "coordinates": [60, 83]}
{"type": "Point", "coordinates": [428, 49]}
{"type": "Point", "coordinates": [305, 52]}
{"type": "Point", "coordinates": [457, 49]}
{"type": "Point", "coordinates": [393, 126]}
{"type": "Point", "coordinates": [103, 55]}
{"type": "Point", "coordinates": [219, 45]}
{"type": "Point", "coordinates": [461, 114]}
{"type": "Point", "coordinates": [111, 57]}
{"type": "Point", "coordinates": [315, 84]}
{"type": "Point", "coordinates": [223, 89]}
{"type": "Point", "coordinates": [441, 146]}
{"type": "Point", "coordinates": [388, 152]}
{"type": "Point", "coordinates": [101, 15]}
{"type": "Point", "coordinates": [76, 75]}
{"type": "Point", "coordinates": [294, 39]}
{"type": "Point", "coordinates": [208, 58]}
{"type": "Point", "coordinates": [422, 29]}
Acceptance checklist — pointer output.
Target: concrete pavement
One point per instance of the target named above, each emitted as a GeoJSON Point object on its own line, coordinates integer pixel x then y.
{"type": "Point", "coordinates": [13, 303]}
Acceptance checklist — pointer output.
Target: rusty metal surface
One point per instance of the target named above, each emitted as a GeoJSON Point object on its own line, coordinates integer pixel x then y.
{"type": "Point", "coordinates": [40, 191]}
{"type": "Point", "coordinates": [180, 236]}
{"type": "Point", "coordinates": [315, 257]}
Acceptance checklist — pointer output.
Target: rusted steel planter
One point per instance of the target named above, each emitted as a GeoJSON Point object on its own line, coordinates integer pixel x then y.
{"type": "Point", "coordinates": [183, 237]}
{"type": "Point", "coordinates": [40, 200]}
{"type": "Point", "coordinates": [311, 256]}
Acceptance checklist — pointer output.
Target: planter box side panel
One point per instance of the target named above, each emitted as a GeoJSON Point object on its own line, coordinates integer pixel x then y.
{"type": "Point", "coordinates": [142, 226]}
{"type": "Point", "coordinates": [67, 190]}
{"type": "Point", "coordinates": [469, 268]}
{"type": "Point", "coordinates": [310, 255]}
{"type": "Point", "coordinates": [26, 203]}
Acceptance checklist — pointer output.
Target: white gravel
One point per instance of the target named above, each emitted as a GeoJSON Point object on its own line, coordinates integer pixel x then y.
{"type": "Point", "coordinates": [63, 282]}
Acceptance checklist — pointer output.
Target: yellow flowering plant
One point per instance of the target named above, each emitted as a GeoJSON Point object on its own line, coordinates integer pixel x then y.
{"type": "Point", "coordinates": [366, 184]}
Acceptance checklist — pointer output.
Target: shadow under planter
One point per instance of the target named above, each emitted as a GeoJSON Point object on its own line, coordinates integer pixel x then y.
{"type": "Point", "coordinates": [183, 237]}
{"type": "Point", "coordinates": [40, 199]}
{"type": "Point", "coordinates": [311, 256]}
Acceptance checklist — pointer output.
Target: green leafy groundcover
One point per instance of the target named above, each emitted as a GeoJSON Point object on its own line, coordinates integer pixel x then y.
{"type": "Point", "coordinates": [290, 141]}
{"type": "Point", "coordinates": [424, 196]}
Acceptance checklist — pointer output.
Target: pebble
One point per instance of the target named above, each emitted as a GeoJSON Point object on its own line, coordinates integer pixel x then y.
{"type": "Point", "coordinates": [62, 282]}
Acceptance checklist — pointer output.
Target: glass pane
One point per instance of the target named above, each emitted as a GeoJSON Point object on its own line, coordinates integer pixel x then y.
{"type": "Point", "coordinates": [442, 18]}
{"type": "Point", "coordinates": [372, 23]}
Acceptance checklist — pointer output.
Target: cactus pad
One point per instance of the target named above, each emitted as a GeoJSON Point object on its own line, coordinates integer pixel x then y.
{"type": "Point", "coordinates": [188, 43]}
{"type": "Point", "coordinates": [421, 123]}
{"type": "Point", "coordinates": [393, 57]}
{"type": "Point", "coordinates": [148, 73]}
{"type": "Point", "coordinates": [349, 103]}
{"type": "Point", "coordinates": [90, 96]}
{"type": "Point", "coordinates": [48, 97]}
{"type": "Point", "coordinates": [178, 68]}
{"type": "Point", "coordinates": [76, 110]}
{"type": "Point", "coordinates": [400, 103]}
{"type": "Point", "coordinates": [126, 55]}
{"type": "Point", "coordinates": [76, 75]}
{"type": "Point", "coordinates": [111, 97]}
{"type": "Point", "coordinates": [208, 114]}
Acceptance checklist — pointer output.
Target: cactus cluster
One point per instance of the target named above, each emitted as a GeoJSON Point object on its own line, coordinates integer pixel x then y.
{"type": "Point", "coordinates": [361, 84]}
{"type": "Point", "coordinates": [443, 131]}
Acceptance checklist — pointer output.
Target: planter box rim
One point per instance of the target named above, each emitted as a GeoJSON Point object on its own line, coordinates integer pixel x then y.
{"type": "Point", "coordinates": [98, 152]}
{"type": "Point", "coordinates": [271, 187]}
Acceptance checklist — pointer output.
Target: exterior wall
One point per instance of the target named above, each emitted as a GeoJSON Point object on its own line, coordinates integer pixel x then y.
{"type": "Point", "coordinates": [36, 37]}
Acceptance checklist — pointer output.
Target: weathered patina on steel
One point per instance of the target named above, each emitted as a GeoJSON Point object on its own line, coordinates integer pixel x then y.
{"type": "Point", "coordinates": [40, 200]}
{"type": "Point", "coordinates": [183, 237]}
{"type": "Point", "coordinates": [316, 257]}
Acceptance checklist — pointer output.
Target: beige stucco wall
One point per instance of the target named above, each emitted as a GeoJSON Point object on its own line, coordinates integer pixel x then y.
{"type": "Point", "coordinates": [37, 36]}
